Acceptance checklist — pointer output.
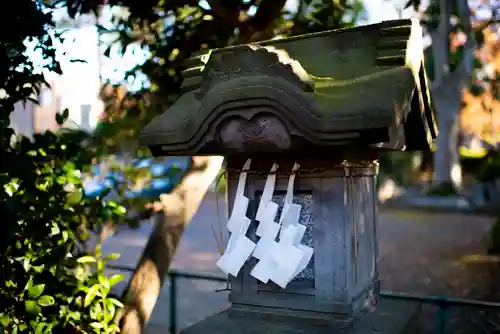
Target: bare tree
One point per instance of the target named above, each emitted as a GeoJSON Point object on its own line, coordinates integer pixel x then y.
{"type": "Point", "coordinates": [447, 90]}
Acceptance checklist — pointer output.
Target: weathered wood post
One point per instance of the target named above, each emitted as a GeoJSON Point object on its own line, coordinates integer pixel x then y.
{"type": "Point", "coordinates": [329, 102]}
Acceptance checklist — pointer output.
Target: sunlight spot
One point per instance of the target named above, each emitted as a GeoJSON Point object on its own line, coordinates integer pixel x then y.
{"type": "Point", "coordinates": [456, 174]}
{"type": "Point", "coordinates": [479, 258]}
{"type": "Point", "coordinates": [204, 4]}
{"type": "Point", "coordinates": [252, 10]}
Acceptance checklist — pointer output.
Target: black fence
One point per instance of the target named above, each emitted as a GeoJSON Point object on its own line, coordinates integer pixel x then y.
{"type": "Point", "coordinates": [442, 304]}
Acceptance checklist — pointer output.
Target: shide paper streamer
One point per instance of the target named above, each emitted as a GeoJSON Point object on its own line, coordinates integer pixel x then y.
{"type": "Point", "coordinates": [239, 247]}
{"type": "Point", "coordinates": [279, 261]}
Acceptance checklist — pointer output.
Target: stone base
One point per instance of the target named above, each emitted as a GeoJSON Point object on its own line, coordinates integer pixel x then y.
{"type": "Point", "coordinates": [313, 313]}
{"type": "Point", "coordinates": [389, 317]}
{"type": "Point", "coordinates": [297, 318]}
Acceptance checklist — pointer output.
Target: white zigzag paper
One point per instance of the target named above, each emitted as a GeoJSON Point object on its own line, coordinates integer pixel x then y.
{"type": "Point", "coordinates": [267, 210]}
{"type": "Point", "coordinates": [231, 262]}
{"type": "Point", "coordinates": [239, 247]}
{"type": "Point", "coordinates": [282, 261]}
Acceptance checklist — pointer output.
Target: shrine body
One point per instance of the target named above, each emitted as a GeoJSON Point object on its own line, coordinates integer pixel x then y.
{"type": "Point", "coordinates": [301, 133]}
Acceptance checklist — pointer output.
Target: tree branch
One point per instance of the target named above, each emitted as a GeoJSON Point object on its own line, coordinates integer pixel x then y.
{"type": "Point", "coordinates": [464, 14]}
{"type": "Point", "coordinates": [260, 26]}
{"type": "Point", "coordinates": [256, 28]}
{"type": "Point", "coordinates": [440, 42]}
{"type": "Point", "coordinates": [223, 10]}
{"type": "Point", "coordinates": [444, 80]}
{"type": "Point", "coordinates": [267, 12]}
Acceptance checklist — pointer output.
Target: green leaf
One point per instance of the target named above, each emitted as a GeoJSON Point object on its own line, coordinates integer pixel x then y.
{"type": "Point", "coordinates": [61, 180]}
{"type": "Point", "coordinates": [113, 328]}
{"type": "Point", "coordinates": [38, 269]}
{"type": "Point", "coordinates": [103, 280]}
{"type": "Point", "coordinates": [113, 280]}
{"type": "Point", "coordinates": [4, 320]}
{"type": "Point", "coordinates": [39, 329]}
{"type": "Point", "coordinates": [50, 326]}
{"type": "Point", "coordinates": [117, 302]}
{"type": "Point", "coordinates": [10, 284]}
{"type": "Point", "coordinates": [100, 266]}
{"type": "Point", "coordinates": [75, 197]}
{"type": "Point", "coordinates": [55, 230]}
{"type": "Point", "coordinates": [86, 259]}
{"type": "Point", "coordinates": [26, 264]}
{"type": "Point", "coordinates": [110, 307]}
{"type": "Point", "coordinates": [29, 285]}
{"type": "Point", "coordinates": [35, 291]}
{"type": "Point", "coordinates": [53, 270]}
{"type": "Point", "coordinates": [59, 119]}
{"type": "Point", "coordinates": [106, 213]}
{"type": "Point", "coordinates": [46, 300]}
{"type": "Point", "coordinates": [112, 256]}
{"type": "Point", "coordinates": [75, 315]}
{"type": "Point", "coordinates": [32, 307]}
{"type": "Point", "coordinates": [97, 325]}
{"type": "Point", "coordinates": [119, 210]}
{"type": "Point", "coordinates": [68, 166]}
{"type": "Point", "coordinates": [65, 113]}
{"type": "Point", "coordinates": [94, 289]}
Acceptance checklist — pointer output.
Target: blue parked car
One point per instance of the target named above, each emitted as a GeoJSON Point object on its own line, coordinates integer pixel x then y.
{"type": "Point", "coordinates": [166, 173]}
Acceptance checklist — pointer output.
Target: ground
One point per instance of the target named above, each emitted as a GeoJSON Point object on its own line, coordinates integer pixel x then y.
{"type": "Point", "coordinates": [436, 254]}
{"type": "Point", "coordinates": [420, 253]}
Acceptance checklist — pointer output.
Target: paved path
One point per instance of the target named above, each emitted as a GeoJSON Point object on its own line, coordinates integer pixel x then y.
{"type": "Point", "coordinates": [433, 253]}
{"type": "Point", "coordinates": [419, 253]}
{"type": "Point", "coordinates": [196, 253]}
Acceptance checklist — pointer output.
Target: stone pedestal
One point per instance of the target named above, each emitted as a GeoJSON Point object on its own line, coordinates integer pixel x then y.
{"type": "Point", "coordinates": [389, 317]}
{"type": "Point", "coordinates": [339, 209]}
{"type": "Point", "coordinates": [361, 91]}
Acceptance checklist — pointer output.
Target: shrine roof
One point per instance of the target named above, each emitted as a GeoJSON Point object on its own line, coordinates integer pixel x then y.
{"type": "Point", "coordinates": [357, 86]}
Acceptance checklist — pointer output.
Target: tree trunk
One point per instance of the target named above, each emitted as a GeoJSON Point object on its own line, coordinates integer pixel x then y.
{"type": "Point", "coordinates": [175, 211]}
{"type": "Point", "coordinates": [447, 99]}
{"type": "Point", "coordinates": [447, 160]}
{"type": "Point", "coordinates": [447, 92]}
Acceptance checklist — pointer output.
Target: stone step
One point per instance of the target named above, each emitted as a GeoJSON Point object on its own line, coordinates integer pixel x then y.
{"type": "Point", "coordinates": [389, 317]}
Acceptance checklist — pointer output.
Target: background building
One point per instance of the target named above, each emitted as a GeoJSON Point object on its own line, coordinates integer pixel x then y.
{"type": "Point", "coordinates": [76, 89]}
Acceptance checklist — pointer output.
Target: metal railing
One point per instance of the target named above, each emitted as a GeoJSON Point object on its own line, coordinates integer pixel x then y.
{"type": "Point", "coordinates": [174, 275]}
{"type": "Point", "coordinates": [443, 304]}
